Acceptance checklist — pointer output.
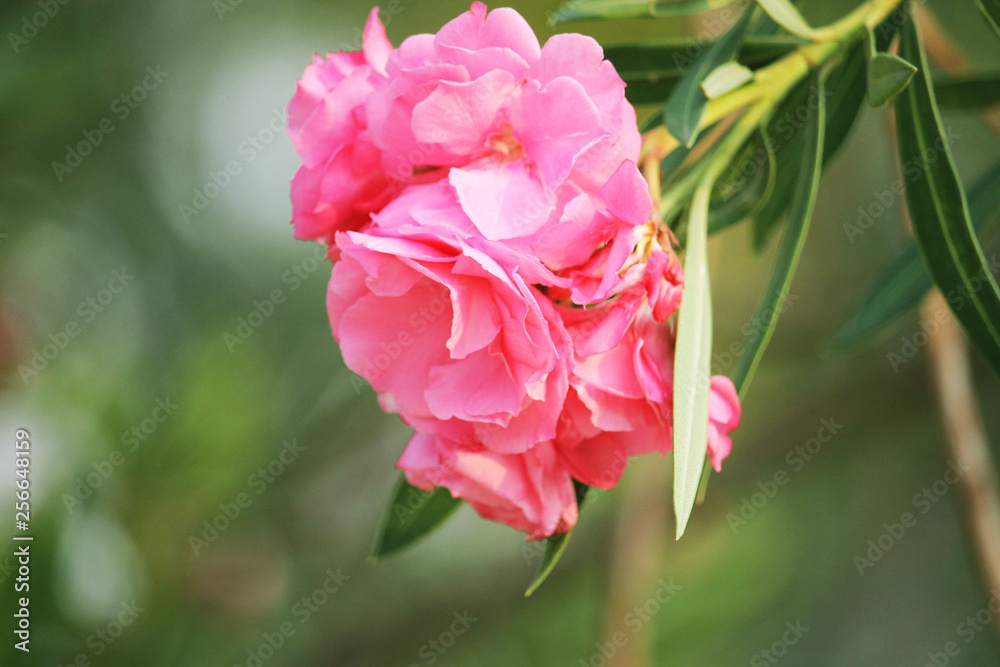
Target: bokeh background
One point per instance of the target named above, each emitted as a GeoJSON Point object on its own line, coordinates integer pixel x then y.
{"type": "Point", "coordinates": [117, 495]}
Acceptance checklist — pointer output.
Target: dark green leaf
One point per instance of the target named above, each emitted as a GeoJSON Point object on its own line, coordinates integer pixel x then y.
{"type": "Point", "coordinates": [991, 12]}
{"type": "Point", "coordinates": [846, 87]}
{"type": "Point", "coordinates": [686, 104]}
{"type": "Point", "coordinates": [888, 76]}
{"type": "Point", "coordinates": [692, 363]}
{"type": "Point", "coordinates": [977, 91]}
{"type": "Point", "coordinates": [745, 187]}
{"type": "Point", "coordinates": [554, 548]}
{"type": "Point", "coordinates": [587, 10]}
{"type": "Point", "coordinates": [650, 122]}
{"type": "Point", "coordinates": [412, 515]}
{"type": "Point", "coordinates": [799, 215]}
{"type": "Point", "coordinates": [845, 96]}
{"type": "Point", "coordinates": [652, 69]}
{"type": "Point", "coordinates": [556, 545]}
{"type": "Point", "coordinates": [665, 59]}
{"type": "Point", "coordinates": [785, 141]}
{"type": "Point", "coordinates": [670, 164]}
{"type": "Point", "coordinates": [939, 212]}
{"type": "Point", "coordinates": [902, 284]}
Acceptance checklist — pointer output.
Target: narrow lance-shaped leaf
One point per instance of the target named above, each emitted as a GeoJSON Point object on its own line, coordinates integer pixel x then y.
{"type": "Point", "coordinates": [745, 187]}
{"type": "Point", "coordinates": [800, 213]}
{"type": "Point", "coordinates": [991, 12]}
{"type": "Point", "coordinates": [588, 10]}
{"type": "Point", "coordinates": [556, 545]}
{"type": "Point", "coordinates": [672, 161]}
{"type": "Point", "coordinates": [972, 92]}
{"type": "Point", "coordinates": [845, 96]}
{"type": "Point", "coordinates": [652, 69]}
{"type": "Point", "coordinates": [765, 25]}
{"type": "Point", "coordinates": [803, 200]}
{"type": "Point", "coordinates": [412, 515]}
{"type": "Point", "coordinates": [904, 282]}
{"type": "Point", "coordinates": [684, 109]}
{"type": "Point", "coordinates": [785, 141]}
{"type": "Point", "coordinates": [788, 16]}
{"type": "Point", "coordinates": [692, 362]}
{"type": "Point", "coordinates": [939, 211]}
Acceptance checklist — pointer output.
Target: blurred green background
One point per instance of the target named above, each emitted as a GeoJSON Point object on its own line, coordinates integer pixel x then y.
{"type": "Point", "coordinates": [123, 487]}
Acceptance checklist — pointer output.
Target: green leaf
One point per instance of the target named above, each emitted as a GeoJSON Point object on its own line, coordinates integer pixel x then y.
{"type": "Point", "coordinates": [650, 122]}
{"type": "Point", "coordinates": [938, 209]}
{"type": "Point", "coordinates": [786, 141]}
{"type": "Point", "coordinates": [554, 548]}
{"type": "Point", "coordinates": [663, 59]}
{"type": "Point", "coordinates": [412, 515]}
{"type": "Point", "coordinates": [845, 96]}
{"type": "Point", "coordinates": [588, 10]}
{"type": "Point", "coordinates": [692, 362]}
{"type": "Point", "coordinates": [904, 282]}
{"type": "Point", "coordinates": [973, 92]}
{"type": "Point", "coordinates": [686, 104]}
{"type": "Point", "coordinates": [799, 215]}
{"type": "Point", "coordinates": [651, 70]}
{"type": "Point", "coordinates": [556, 545]}
{"type": "Point", "coordinates": [765, 25]}
{"type": "Point", "coordinates": [788, 16]}
{"type": "Point", "coordinates": [745, 188]}
{"type": "Point", "coordinates": [726, 78]}
{"type": "Point", "coordinates": [991, 12]}
{"type": "Point", "coordinates": [673, 161]}
{"type": "Point", "coordinates": [888, 76]}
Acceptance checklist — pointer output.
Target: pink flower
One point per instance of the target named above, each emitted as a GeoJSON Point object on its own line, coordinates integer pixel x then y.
{"type": "Point", "coordinates": [621, 398]}
{"type": "Point", "coordinates": [531, 491]}
{"type": "Point", "coordinates": [339, 183]}
{"type": "Point", "coordinates": [477, 189]}
{"type": "Point", "coordinates": [538, 143]}
{"type": "Point", "coordinates": [453, 332]}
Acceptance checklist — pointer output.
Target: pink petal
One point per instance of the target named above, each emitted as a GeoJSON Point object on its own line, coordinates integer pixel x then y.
{"type": "Point", "coordinates": [626, 194]}
{"type": "Point", "coordinates": [481, 41]}
{"type": "Point", "coordinates": [459, 116]}
{"type": "Point", "coordinates": [555, 124]}
{"type": "Point", "coordinates": [504, 202]}
{"type": "Point", "coordinates": [724, 414]}
{"type": "Point", "coordinates": [377, 47]}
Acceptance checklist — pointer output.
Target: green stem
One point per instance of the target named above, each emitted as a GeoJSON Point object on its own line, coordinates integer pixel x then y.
{"type": "Point", "coordinates": [773, 82]}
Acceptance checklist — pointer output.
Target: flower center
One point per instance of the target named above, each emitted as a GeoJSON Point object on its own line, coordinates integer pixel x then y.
{"type": "Point", "coordinates": [504, 145]}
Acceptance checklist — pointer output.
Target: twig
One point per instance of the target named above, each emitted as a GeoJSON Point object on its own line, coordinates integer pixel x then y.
{"type": "Point", "coordinates": [966, 437]}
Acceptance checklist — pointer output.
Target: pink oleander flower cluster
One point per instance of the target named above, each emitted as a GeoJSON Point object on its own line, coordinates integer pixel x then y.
{"type": "Point", "coordinates": [496, 275]}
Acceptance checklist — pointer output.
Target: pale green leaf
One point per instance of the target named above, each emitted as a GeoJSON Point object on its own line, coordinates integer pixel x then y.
{"type": "Point", "coordinates": [692, 363]}
{"type": "Point", "coordinates": [726, 78]}
{"type": "Point", "coordinates": [788, 16]}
